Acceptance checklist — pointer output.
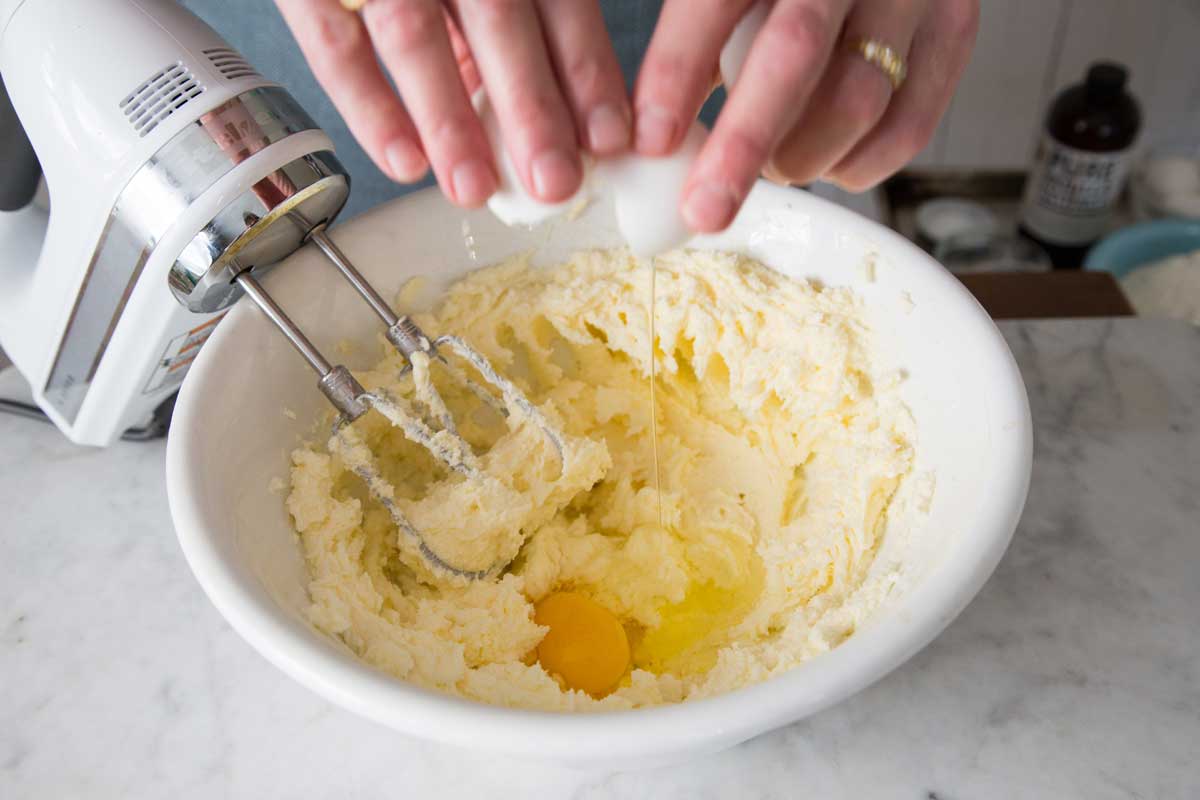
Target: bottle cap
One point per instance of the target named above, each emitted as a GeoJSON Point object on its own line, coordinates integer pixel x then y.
{"type": "Point", "coordinates": [1106, 80]}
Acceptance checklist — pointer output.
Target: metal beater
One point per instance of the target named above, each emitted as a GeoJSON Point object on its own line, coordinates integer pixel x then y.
{"type": "Point", "coordinates": [427, 423]}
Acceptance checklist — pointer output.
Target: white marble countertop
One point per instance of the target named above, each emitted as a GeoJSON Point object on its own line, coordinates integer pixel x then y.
{"type": "Point", "coordinates": [1075, 673]}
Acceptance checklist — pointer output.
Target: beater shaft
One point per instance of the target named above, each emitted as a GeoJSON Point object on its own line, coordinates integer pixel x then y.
{"type": "Point", "coordinates": [276, 314]}
{"type": "Point", "coordinates": [360, 284]}
{"type": "Point", "coordinates": [336, 382]}
{"type": "Point", "coordinates": [404, 335]}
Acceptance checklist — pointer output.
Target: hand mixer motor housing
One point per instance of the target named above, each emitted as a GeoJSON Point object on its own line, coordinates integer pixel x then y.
{"type": "Point", "coordinates": [172, 166]}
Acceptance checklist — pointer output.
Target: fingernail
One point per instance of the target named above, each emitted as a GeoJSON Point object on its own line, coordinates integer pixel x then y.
{"type": "Point", "coordinates": [608, 130]}
{"type": "Point", "coordinates": [656, 129]}
{"type": "Point", "coordinates": [708, 207]}
{"type": "Point", "coordinates": [406, 161]}
{"type": "Point", "coordinates": [473, 182]}
{"type": "Point", "coordinates": [555, 175]}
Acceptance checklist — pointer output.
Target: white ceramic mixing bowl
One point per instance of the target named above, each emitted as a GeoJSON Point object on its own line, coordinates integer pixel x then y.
{"type": "Point", "coordinates": [231, 437]}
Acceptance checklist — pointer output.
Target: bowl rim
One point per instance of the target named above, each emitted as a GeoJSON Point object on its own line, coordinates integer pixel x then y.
{"type": "Point", "coordinates": [721, 720]}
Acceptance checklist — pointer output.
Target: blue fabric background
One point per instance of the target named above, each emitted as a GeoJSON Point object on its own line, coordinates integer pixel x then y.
{"type": "Point", "coordinates": [256, 29]}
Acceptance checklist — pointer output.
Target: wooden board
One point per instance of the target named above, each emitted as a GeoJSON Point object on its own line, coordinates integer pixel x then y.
{"type": "Point", "coordinates": [1023, 295]}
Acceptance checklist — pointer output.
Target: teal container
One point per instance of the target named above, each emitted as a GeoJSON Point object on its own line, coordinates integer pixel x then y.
{"type": "Point", "coordinates": [1125, 250]}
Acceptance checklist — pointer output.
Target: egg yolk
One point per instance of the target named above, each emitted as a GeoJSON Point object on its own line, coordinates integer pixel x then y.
{"type": "Point", "coordinates": [586, 647]}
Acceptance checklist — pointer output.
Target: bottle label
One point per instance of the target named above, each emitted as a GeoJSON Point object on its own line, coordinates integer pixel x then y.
{"type": "Point", "coordinates": [1070, 193]}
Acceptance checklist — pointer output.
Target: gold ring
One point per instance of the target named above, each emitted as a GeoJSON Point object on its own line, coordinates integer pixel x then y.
{"type": "Point", "coordinates": [885, 58]}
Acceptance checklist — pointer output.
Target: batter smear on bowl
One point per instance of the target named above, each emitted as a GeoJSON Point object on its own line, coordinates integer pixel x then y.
{"type": "Point", "coordinates": [783, 441]}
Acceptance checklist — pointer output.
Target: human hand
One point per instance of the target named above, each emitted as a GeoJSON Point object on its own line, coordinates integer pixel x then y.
{"type": "Point", "coordinates": [547, 65]}
{"type": "Point", "coordinates": [805, 105]}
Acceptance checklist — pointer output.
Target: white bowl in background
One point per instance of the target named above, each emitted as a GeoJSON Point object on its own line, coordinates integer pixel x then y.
{"type": "Point", "coordinates": [230, 437]}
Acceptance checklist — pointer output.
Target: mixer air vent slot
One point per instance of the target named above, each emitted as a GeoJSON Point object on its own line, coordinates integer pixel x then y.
{"type": "Point", "coordinates": [160, 96]}
{"type": "Point", "coordinates": [230, 63]}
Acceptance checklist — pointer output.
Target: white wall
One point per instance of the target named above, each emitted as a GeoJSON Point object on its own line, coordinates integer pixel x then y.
{"type": "Point", "coordinates": [1029, 49]}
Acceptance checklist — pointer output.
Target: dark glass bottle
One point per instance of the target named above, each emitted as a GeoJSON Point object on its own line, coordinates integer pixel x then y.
{"type": "Point", "coordinates": [1081, 165]}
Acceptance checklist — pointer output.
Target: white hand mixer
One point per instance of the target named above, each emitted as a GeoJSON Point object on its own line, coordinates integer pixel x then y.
{"type": "Point", "coordinates": [176, 169]}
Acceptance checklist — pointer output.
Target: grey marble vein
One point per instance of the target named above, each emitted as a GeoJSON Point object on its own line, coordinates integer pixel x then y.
{"type": "Point", "coordinates": [1075, 673]}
